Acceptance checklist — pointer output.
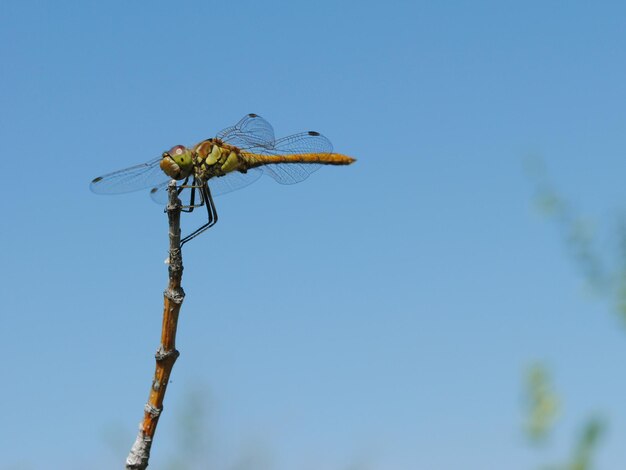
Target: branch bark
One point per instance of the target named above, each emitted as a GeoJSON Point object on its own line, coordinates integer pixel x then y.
{"type": "Point", "coordinates": [166, 354]}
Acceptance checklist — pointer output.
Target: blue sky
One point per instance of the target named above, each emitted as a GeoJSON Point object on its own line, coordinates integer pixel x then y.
{"type": "Point", "coordinates": [376, 316]}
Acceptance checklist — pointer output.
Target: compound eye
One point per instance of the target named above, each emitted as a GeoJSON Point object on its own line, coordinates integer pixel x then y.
{"type": "Point", "coordinates": [177, 150]}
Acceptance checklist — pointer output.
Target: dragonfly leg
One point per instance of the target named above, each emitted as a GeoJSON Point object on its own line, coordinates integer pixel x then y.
{"type": "Point", "coordinates": [205, 193]}
{"type": "Point", "coordinates": [180, 190]}
{"type": "Point", "coordinates": [192, 200]}
{"type": "Point", "coordinates": [182, 186]}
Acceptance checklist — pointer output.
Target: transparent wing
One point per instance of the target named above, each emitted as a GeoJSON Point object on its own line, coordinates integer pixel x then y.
{"type": "Point", "coordinates": [220, 185]}
{"type": "Point", "coordinates": [251, 131]}
{"type": "Point", "coordinates": [130, 179]}
{"type": "Point", "coordinates": [159, 193]}
{"type": "Point", "coordinates": [233, 181]}
{"type": "Point", "coordinates": [304, 142]}
{"type": "Point", "coordinates": [310, 142]}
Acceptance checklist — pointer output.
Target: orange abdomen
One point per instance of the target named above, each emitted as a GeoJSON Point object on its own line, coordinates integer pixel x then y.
{"type": "Point", "coordinates": [253, 160]}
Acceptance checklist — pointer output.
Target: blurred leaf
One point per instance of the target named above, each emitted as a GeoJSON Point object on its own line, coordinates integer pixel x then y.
{"type": "Point", "coordinates": [542, 404]}
{"type": "Point", "coordinates": [587, 445]}
{"type": "Point", "coordinates": [604, 272]}
{"type": "Point", "coordinates": [543, 409]}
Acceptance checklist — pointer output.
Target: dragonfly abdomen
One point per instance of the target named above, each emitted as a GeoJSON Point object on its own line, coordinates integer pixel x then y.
{"type": "Point", "coordinates": [252, 160]}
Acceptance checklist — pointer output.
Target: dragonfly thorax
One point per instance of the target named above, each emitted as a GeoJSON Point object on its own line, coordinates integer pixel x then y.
{"type": "Point", "coordinates": [214, 158]}
{"type": "Point", "coordinates": [177, 162]}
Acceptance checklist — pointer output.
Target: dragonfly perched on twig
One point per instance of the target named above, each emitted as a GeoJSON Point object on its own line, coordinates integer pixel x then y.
{"type": "Point", "coordinates": [236, 157]}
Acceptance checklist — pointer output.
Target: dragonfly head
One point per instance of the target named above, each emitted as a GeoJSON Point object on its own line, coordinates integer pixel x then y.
{"type": "Point", "coordinates": [177, 162]}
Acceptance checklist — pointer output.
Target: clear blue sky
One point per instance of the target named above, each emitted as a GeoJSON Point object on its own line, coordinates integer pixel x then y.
{"type": "Point", "coordinates": [379, 316]}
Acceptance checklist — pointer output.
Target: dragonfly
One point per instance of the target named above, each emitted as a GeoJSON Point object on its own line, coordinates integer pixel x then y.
{"type": "Point", "coordinates": [236, 157]}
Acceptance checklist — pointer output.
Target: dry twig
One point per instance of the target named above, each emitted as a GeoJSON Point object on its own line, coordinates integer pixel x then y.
{"type": "Point", "coordinates": [167, 354]}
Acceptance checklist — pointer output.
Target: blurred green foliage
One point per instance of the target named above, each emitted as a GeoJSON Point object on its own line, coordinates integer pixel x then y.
{"type": "Point", "coordinates": [587, 444]}
{"type": "Point", "coordinates": [585, 448]}
{"type": "Point", "coordinates": [604, 272]}
{"type": "Point", "coordinates": [543, 407]}
{"type": "Point", "coordinates": [541, 402]}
